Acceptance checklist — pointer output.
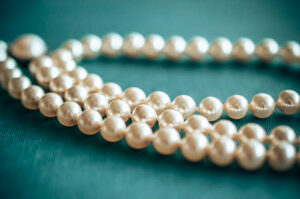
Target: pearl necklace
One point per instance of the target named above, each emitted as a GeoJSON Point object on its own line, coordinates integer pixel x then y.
{"type": "Point", "coordinates": [60, 73]}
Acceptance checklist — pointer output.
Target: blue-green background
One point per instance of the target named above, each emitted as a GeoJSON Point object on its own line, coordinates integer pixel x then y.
{"type": "Point", "coordinates": [41, 159]}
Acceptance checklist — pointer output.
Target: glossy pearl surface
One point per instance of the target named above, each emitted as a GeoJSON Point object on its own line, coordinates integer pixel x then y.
{"type": "Point", "coordinates": [111, 45]}
{"type": "Point", "coordinates": [196, 123]}
{"type": "Point", "coordinates": [40, 62]}
{"type": "Point", "coordinates": [170, 118]}
{"type": "Point", "coordinates": [111, 90]}
{"type": "Point", "coordinates": [196, 48]}
{"type": "Point", "coordinates": [91, 46]}
{"type": "Point", "coordinates": [251, 131]}
{"type": "Point", "coordinates": [132, 44]}
{"type": "Point", "coordinates": [89, 122]}
{"type": "Point", "coordinates": [159, 101]}
{"type": "Point", "coordinates": [49, 104]}
{"type": "Point", "coordinates": [61, 84]}
{"type": "Point", "coordinates": [262, 105]}
{"type": "Point", "coordinates": [166, 140]}
{"type": "Point", "coordinates": [211, 108]}
{"type": "Point", "coordinates": [185, 105]}
{"type": "Point", "coordinates": [119, 108]}
{"type": "Point", "coordinates": [8, 74]}
{"type": "Point", "coordinates": [290, 52]}
{"type": "Point", "coordinates": [31, 96]}
{"type": "Point", "coordinates": [75, 47]}
{"type": "Point", "coordinates": [68, 113]}
{"type": "Point", "coordinates": [174, 48]}
{"type": "Point", "coordinates": [17, 85]}
{"type": "Point", "coordinates": [236, 107]}
{"type": "Point", "coordinates": [153, 46]}
{"type": "Point", "coordinates": [243, 50]}
{"type": "Point", "coordinates": [138, 135]}
{"type": "Point", "coordinates": [78, 73]}
{"type": "Point", "coordinates": [222, 151]}
{"type": "Point", "coordinates": [77, 94]}
{"type": "Point", "coordinates": [97, 102]}
{"type": "Point", "coordinates": [194, 147]}
{"type": "Point", "coordinates": [45, 75]}
{"type": "Point", "coordinates": [134, 96]}
{"type": "Point", "coordinates": [224, 128]}
{"type": "Point", "coordinates": [220, 49]}
{"type": "Point", "coordinates": [144, 113]}
{"type": "Point", "coordinates": [266, 50]}
{"type": "Point", "coordinates": [283, 133]}
{"type": "Point", "coordinates": [92, 82]}
{"type": "Point", "coordinates": [112, 128]}
{"type": "Point", "coordinates": [288, 102]}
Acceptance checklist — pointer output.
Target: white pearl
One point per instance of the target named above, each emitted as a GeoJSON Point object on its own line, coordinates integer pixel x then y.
{"type": "Point", "coordinates": [236, 107]}
{"type": "Point", "coordinates": [60, 84]}
{"type": "Point", "coordinates": [220, 49]}
{"type": "Point", "coordinates": [97, 102]}
{"type": "Point", "coordinates": [40, 62]}
{"type": "Point", "coordinates": [31, 96]}
{"type": "Point", "coordinates": [251, 131]}
{"type": "Point", "coordinates": [282, 133]}
{"type": "Point", "coordinates": [111, 45]}
{"type": "Point", "coordinates": [196, 123]}
{"type": "Point", "coordinates": [132, 44]}
{"type": "Point", "coordinates": [262, 105]}
{"type": "Point", "coordinates": [3, 51]}
{"type": "Point", "coordinates": [159, 101]}
{"type": "Point", "coordinates": [166, 141]}
{"type": "Point", "coordinates": [61, 55]}
{"type": "Point", "coordinates": [196, 48]}
{"type": "Point", "coordinates": [89, 122]}
{"type": "Point", "coordinates": [288, 102]}
{"type": "Point", "coordinates": [77, 94]}
{"type": "Point", "coordinates": [223, 128]}
{"type": "Point", "coordinates": [194, 146]}
{"type": "Point", "coordinates": [144, 113]}
{"type": "Point", "coordinates": [92, 82]}
{"type": "Point", "coordinates": [8, 74]}
{"type": "Point", "coordinates": [45, 75]}
{"type": "Point", "coordinates": [75, 47]}
{"type": "Point", "coordinates": [66, 66]}
{"type": "Point", "coordinates": [112, 128]}
{"type": "Point", "coordinates": [17, 85]}
{"type": "Point", "coordinates": [243, 49]}
{"type": "Point", "coordinates": [134, 96]}
{"type": "Point", "coordinates": [68, 113]}
{"type": "Point", "coordinates": [170, 118]}
{"type": "Point", "coordinates": [7, 64]}
{"type": "Point", "coordinates": [111, 90]}
{"type": "Point", "coordinates": [78, 74]}
{"type": "Point", "coordinates": [266, 50]}
{"type": "Point", "coordinates": [153, 46]}
{"type": "Point", "coordinates": [91, 46]}
{"type": "Point", "coordinates": [211, 108]}
{"type": "Point", "coordinates": [222, 151]}
{"type": "Point", "coordinates": [185, 105]}
{"type": "Point", "coordinates": [119, 108]}
{"type": "Point", "coordinates": [138, 135]}
{"type": "Point", "coordinates": [289, 52]}
{"type": "Point", "coordinates": [174, 48]}
{"type": "Point", "coordinates": [49, 104]}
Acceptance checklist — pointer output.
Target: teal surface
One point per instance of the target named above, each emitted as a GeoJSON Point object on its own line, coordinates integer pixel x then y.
{"type": "Point", "coordinates": [39, 158]}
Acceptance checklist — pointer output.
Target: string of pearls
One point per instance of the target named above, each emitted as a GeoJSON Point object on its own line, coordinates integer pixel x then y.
{"type": "Point", "coordinates": [60, 73]}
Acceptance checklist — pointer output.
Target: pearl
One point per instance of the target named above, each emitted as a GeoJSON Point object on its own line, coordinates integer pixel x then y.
{"type": "Point", "coordinates": [153, 46]}
{"type": "Point", "coordinates": [92, 82]}
{"type": "Point", "coordinates": [132, 44]}
{"type": "Point", "coordinates": [262, 105]}
{"type": "Point", "coordinates": [40, 62]}
{"type": "Point", "coordinates": [66, 66]}
{"type": "Point", "coordinates": [236, 107]}
{"type": "Point", "coordinates": [112, 129]}
{"type": "Point", "coordinates": [242, 50]}
{"type": "Point", "coordinates": [60, 84]}
{"type": "Point", "coordinates": [266, 50]}
{"type": "Point", "coordinates": [211, 108]}
{"type": "Point", "coordinates": [224, 128]}
{"type": "Point", "coordinates": [91, 46]}
{"type": "Point", "coordinates": [170, 118]}
{"type": "Point", "coordinates": [77, 94]}
{"type": "Point", "coordinates": [31, 96]}
{"type": "Point", "coordinates": [194, 146]}
{"type": "Point", "coordinates": [251, 131]}
{"type": "Point", "coordinates": [288, 102]}
{"type": "Point", "coordinates": [134, 96]}
{"type": "Point", "coordinates": [7, 64]}
{"type": "Point", "coordinates": [75, 47]}
{"type": "Point", "coordinates": [222, 151]}
{"type": "Point", "coordinates": [196, 123]}
{"type": "Point", "coordinates": [119, 108]}
{"type": "Point", "coordinates": [111, 45]}
{"type": "Point", "coordinates": [3, 51]}
{"type": "Point", "coordinates": [17, 85]}
{"type": "Point", "coordinates": [283, 133]}
{"type": "Point", "coordinates": [185, 105]}
{"type": "Point", "coordinates": [220, 49]}
{"type": "Point", "coordinates": [174, 48]}
{"type": "Point", "coordinates": [111, 91]}
{"type": "Point", "coordinates": [97, 102]}
{"type": "Point", "coordinates": [28, 46]}
{"type": "Point", "coordinates": [45, 75]}
{"type": "Point", "coordinates": [68, 113]}
{"type": "Point", "coordinates": [78, 74]}
{"type": "Point", "coordinates": [281, 156]}
{"type": "Point", "coordinates": [251, 155]}
{"type": "Point", "coordinates": [49, 104]}
{"type": "Point", "coordinates": [159, 101]}
{"type": "Point", "coordinates": [166, 140]}
{"type": "Point", "coordinates": [61, 55]}
{"type": "Point", "coordinates": [196, 48]}
{"type": "Point", "coordinates": [289, 52]}
{"type": "Point", "coordinates": [8, 74]}
{"type": "Point", "coordinates": [138, 135]}
{"type": "Point", "coordinates": [144, 113]}
{"type": "Point", "coordinates": [89, 122]}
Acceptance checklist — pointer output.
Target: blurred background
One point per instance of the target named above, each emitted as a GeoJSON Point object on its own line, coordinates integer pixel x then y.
{"type": "Point", "coordinates": [42, 159]}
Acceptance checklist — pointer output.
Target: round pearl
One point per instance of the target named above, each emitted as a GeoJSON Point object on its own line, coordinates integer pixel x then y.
{"type": "Point", "coordinates": [134, 96]}
{"type": "Point", "coordinates": [111, 45]}
{"type": "Point", "coordinates": [251, 155]}
{"type": "Point", "coordinates": [119, 108]}
{"type": "Point", "coordinates": [97, 102]}
{"type": "Point", "coordinates": [144, 113]}
{"type": "Point", "coordinates": [220, 49]}
{"type": "Point", "coordinates": [17, 85]}
{"type": "Point", "coordinates": [75, 47]}
{"type": "Point", "coordinates": [111, 91]}
{"type": "Point", "coordinates": [262, 105]}
{"type": "Point", "coordinates": [266, 50]}
{"type": "Point", "coordinates": [138, 135]}
{"type": "Point", "coordinates": [242, 50]}
{"type": "Point", "coordinates": [281, 156]}
{"type": "Point", "coordinates": [31, 96]}
{"type": "Point", "coordinates": [60, 84]}
{"type": "Point", "coordinates": [78, 74]}
{"type": "Point", "coordinates": [236, 107]}
{"type": "Point", "coordinates": [49, 104]}
{"type": "Point", "coordinates": [61, 55]}
{"type": "Point", "coordinates": [89, 122]}
{"type": "Point", "coordinates": [7, 64]}
{"type": "Point", "coordinates": [27, 47]}
{"type": "Point", "coordinates": [185, 105]}
{"type": "Point", "coordinates": [68, 113]}
{"type": "Point", "coordinates": [251, 131]}
{"type": "Point", "coordinates": [77, 94]}
{"type": "Point", "coordinates": [45, 75]}
{"type": "Point", "coordinates": [91, 46]}
{"type": "Point", "coordinates": [153, 46]}
{"type": "Point", "coordinates": [166, 140]}
{"type": "Point", "coordinates": [224, 128]}
{"type": "Point", "coordinates": [174, 48]}
{"type": "Point", "coordinates": [290, 52]}
{"type": "Point", "coordinates": [283, 133]}
{"type": "Point", "coordinates": [66, 66]}
{"type": "Point", "coordinates": [211, 108]}
{"type": "Point", "coordinates": [8, 74]}
{"type": "Point", "coordinates": [194, 146]}
{"type": "Point", "coordinates": [3, 50]}
{"type": "Point", "coordinates": [222, 151]}
{"type": "Point", "coordinates": [92, 82]}
{"type": "Point", "coordinates": [196, 48]}
{"type": "Point", "coordinates": [132, 44]}
{"type": "Point", "coordinates": [40, 62]}
{"type": "Point", "coordinates": [288, 102]}
{"type": "Point", "coordinates": [159, 101]}
{"type": "Point", "coordinates": [170, 118]}
{"type": "Point", "coordinates": [112, 128]}
{"type": "Point", "coordinates": [196, 123]}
